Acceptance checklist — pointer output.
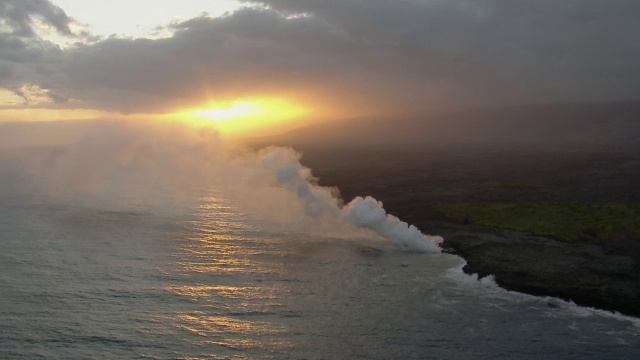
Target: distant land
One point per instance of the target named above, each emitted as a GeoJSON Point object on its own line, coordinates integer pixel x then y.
{"type": "Point", "coordinates": [577, 159]}
{"type": "Point", "coordinates": [579, 124]}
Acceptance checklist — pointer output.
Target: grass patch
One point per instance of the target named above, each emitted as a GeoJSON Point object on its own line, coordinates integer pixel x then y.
{"type": "Point", "coordinates": [564, 221]}
{"type": "Point", "coordinates": [499, 185]}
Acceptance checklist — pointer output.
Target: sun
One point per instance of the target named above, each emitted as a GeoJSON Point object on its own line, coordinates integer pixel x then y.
{"type": "Point", "coordinates": [246, 117]}
{"type": "Point", "coordinates": [238, 109]}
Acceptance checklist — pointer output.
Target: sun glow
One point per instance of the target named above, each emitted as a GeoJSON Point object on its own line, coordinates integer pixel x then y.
{"type": "Point", "coordinates": [238, 109]}
{"type": "Point", "coordinates": [237, 119]}
{"type": "Point", "coordinates": [249, 117]}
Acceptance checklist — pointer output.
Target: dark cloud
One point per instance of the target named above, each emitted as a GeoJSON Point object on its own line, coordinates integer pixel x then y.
{"type": "Point", "coordinates": [501, 50]}
{"type": "Point", "coordinates": [19, 15]}
{"type": "Point", "coordinates": [25, 58]}
{"type": "Point", "coordinates": [371, 55]}
{"type": "Point", "coordinates": [251, 53]}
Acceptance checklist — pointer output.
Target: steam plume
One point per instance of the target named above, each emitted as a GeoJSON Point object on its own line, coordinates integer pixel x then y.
{"type": "Point", "coordinates": [364, 212]}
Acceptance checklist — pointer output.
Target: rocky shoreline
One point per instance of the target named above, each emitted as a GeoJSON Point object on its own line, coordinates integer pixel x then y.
{"type": "Point", "coordinates": [603, 274]}
{"type": "Point", "coordinates": [594, 274]}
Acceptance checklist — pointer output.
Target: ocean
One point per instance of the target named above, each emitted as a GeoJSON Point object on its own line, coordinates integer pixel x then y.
{"type": "Point", "coordinates": [209, 280]}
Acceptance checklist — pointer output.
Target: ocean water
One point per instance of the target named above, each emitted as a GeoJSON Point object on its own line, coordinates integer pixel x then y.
{"type": "Point", "coordinates": [212, 282]}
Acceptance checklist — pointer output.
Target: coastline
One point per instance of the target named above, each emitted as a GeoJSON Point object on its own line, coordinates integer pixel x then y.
{"type": "Point", "coordinates": [598, 273]}
{"type": "Point", "coordinates": [593, 274]}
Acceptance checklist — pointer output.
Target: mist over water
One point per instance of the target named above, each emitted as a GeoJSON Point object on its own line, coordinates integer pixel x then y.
{"type": "Point", "coordinates": [125, 164]}
{"type": "Point", "coordinates": [160, 240]}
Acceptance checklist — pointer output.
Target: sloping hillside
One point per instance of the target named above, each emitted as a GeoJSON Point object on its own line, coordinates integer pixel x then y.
{"type": "Point", "coordinates": [591, 124]}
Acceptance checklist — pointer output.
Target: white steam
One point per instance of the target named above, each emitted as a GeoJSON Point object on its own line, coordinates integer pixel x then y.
{"type": "Point", "coordinates": [369, 213]}
{"type": "Point", "coordinates": [320, 201]}
{"type": "Point", "coordinates": [122, 164]}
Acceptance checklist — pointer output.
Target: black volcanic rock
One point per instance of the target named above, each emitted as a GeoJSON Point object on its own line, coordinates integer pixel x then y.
{"type": "Point", "coordinates": [411, 184]}
{"type": "Point", "coordinates": [599, 275]}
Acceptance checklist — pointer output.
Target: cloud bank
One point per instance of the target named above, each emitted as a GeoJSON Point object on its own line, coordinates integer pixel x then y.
{"type": "Point", "coordinates": [26, 60]}
{"type": "Point", "coordinates": [366, 56]}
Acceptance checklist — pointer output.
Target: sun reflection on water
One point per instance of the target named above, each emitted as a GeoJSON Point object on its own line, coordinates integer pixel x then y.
{"type": "Point", "coordinates": [207, 326]}
{"type": "Point", "coordinates": [221, 276]}
{"type": "Point", "coordinates": [227, 292]}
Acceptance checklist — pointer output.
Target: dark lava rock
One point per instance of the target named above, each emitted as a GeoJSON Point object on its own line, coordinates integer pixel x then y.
{"type": "Point", "coordinates": [599, 275]}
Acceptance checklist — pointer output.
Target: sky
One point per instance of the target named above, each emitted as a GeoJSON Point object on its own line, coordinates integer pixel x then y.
{"type": "Point", "coordinates": [219, 58]}
{"type": "Point", "coordinates": [140, 18]}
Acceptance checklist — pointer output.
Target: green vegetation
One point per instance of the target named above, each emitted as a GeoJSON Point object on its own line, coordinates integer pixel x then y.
{"type": "Point", "coordinates": [498, 185]}
{"type": "Point", "coordinates": [564, 221]}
